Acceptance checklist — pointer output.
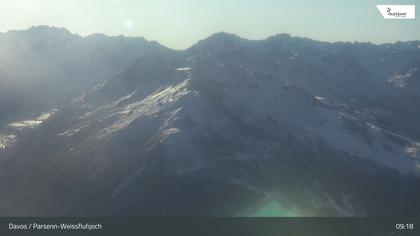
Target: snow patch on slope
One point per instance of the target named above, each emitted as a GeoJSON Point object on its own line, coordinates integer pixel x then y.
{"type": "Point", "coordinates": [33, 123]}
{"type": "Point", "coordinates": [401, 80]}
{"type": "Point", "coordinates": [6, 140]}
{"type": "Point", "coordinates": [149, 106]}
{"type": "Point", "coordinates": [183, 69]}
{"type": "Point", "coordinates": [380, 149]}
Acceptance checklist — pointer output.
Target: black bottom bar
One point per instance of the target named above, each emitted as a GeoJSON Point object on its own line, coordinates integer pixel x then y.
{"type": "Point", "coordinates": [211, 226]}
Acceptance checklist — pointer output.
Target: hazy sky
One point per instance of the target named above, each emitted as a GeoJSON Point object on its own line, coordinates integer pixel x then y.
{"type": "Point", "coordinates": [181, 23]}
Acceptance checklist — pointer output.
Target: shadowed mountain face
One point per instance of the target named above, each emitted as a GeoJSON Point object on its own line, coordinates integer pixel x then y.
{"type": "Point", "coordinates": [229, 127]}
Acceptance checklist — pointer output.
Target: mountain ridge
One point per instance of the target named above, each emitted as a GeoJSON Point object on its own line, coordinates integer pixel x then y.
{"type": "Point", "coordinates": [223, 127]}
{"type": "Point", "coordinates": [220, 34]}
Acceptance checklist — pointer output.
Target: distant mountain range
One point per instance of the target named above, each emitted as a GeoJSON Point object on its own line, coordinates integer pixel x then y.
{"type": "Point", "coordinates": [44, 67]}
{"type": "Point", "coordinates": [229, 127]}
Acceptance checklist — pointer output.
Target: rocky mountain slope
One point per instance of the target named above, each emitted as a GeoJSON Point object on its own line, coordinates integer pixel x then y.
{"type": "Point", "coordinates": [228, 127]}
